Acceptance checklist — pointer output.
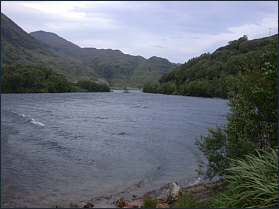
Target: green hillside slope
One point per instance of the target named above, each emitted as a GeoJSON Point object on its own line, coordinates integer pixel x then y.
{"type": "Point", "coordinates": [212, 75]}
{"type": "Point", "coordinates": [18, 47]}
{"type": "Point", "coordinates": [117, 68]}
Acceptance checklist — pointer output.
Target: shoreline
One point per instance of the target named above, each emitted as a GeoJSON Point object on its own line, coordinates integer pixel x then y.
{"type": "Point", "coordinates": [201, 192]}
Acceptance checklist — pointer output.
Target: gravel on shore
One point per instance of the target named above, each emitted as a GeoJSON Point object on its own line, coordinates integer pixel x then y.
{"type": "Point", "coordinates": [200, 193]}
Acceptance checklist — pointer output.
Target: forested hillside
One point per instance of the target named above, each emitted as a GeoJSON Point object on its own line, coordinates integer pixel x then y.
{"type": "Point", "coordinates": [212, 75]}
{"type": "Point", "coordinates": [245, 149]}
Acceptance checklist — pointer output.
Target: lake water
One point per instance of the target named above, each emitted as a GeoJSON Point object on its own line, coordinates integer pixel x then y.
{"type": "Point", "coordinates": [73, 147]}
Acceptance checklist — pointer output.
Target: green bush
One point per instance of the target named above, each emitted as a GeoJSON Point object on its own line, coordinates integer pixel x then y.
{"type": "Point", "coordinates": [185, 201]}
{"type": "Point", "coordinates": [252, 182]}
{"type": "Point", "coordinates": [214, 148]}
{"type": "Point", "coordinates": [150, 203]}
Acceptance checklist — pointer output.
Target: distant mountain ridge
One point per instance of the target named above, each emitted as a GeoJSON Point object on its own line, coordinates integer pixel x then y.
{"type": "Point", "coordinates": [100, 65]}
{"type": "Point", "coordinates": [117, 68]}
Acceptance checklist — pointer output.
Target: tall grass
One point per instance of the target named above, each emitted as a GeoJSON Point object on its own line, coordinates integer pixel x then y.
{"type": "Point", "coordinates": [252, 182]}
{"type": "Point", "coordinates": [150, 203]}
{"type": "Point", "coordinates": [185, 201]}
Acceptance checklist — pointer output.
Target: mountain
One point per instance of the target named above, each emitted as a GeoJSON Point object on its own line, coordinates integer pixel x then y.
{"type": "Point", "coordinates": [52, 39]}
{"type": "Point", "coordinates": [57, 44]}
{"type": "Point", "coordinates": [17, 46]}
{"type": "Point", "coordinates": [117, 68]}
{"type": "Point", "coordinates": [212, 75]}
{"type": "Point", "coordinates": [100, 65]}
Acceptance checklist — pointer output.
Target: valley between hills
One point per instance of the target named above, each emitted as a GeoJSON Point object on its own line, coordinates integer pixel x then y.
{"type": "Point", "coordinates": [108, 66]}
{"type": "Point", "coordinates": [208, 75]}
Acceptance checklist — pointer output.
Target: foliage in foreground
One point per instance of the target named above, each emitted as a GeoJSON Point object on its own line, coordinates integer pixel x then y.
{"type": "Point", "coordinates": [252, 121]}
{"type": "Point", "coordinates": [36, 79]}
{"type": "Point", "coordinates": [252, 182]}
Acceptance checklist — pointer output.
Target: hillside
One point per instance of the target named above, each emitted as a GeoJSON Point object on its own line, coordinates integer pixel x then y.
{"type": "Point", "coordinates": [212, 75]}
{"type": "Point", "coordinates": [99, 65]}
{"type": "Point", "coordinates": [57, 44]}
{"type": "Point", "coordinates": [117, 68]}
{"type": "Point", "coordinates": [18, 47]}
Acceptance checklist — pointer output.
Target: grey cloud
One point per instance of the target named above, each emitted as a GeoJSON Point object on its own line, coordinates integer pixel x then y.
{"type": "Point", "coordinates": [135, 25]}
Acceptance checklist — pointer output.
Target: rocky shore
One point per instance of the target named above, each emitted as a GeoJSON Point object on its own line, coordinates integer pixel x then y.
{"type": "Point", "coordinates": [165, 197]}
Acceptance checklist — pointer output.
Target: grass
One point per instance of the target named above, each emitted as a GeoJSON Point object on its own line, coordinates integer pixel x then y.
{"type": "Point", "coordinates": [252, 182]}
{"type": "Point", "coordinates": [186, 201]}
{"type": "Point", "coordinates": [150, 203]}
{"type": "Point", "coordinates": [198, 196]}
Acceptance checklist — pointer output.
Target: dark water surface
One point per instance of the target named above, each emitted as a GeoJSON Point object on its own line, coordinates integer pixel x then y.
{"type": "Point", "coordinates": [72, 147]}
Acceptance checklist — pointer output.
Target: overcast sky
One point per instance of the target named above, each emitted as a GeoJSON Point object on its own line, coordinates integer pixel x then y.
{"type": "Point", "coordinates": [175, 30]}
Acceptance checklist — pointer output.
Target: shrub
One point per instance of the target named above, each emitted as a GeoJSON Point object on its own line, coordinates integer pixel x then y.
{"type": "Point", "coordinates": [150, 203]}
{"type": "Point", "coordinates": [252, 182]}
{"type": "Point", "coordinates": [185, 201]}
{"type": "Point", "coordinates": [214, 148]}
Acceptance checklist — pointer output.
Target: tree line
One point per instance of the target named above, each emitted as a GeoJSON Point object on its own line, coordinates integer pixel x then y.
{"type": "Point", "coordinates": [213, 75]}
{"type": "Point", "coordinates": [20, 78]}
